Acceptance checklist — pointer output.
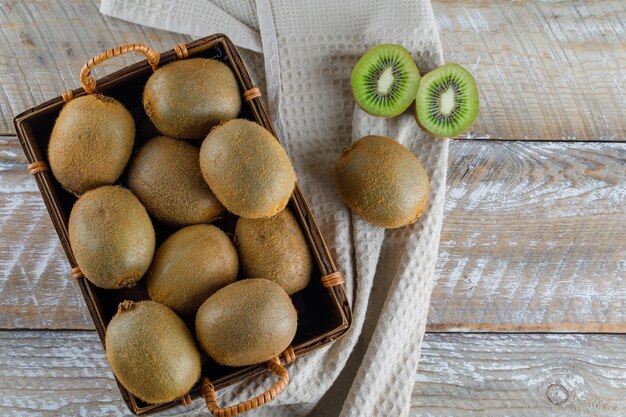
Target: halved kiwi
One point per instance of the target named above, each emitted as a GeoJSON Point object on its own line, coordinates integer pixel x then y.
{"type": "Point", "coordinates": [447, 101]}
{"type": "Point", "coordinates": [385, 80]}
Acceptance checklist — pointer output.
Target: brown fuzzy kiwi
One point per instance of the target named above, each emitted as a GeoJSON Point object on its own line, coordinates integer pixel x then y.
{"type": "Point", "coordinates": [247, 169]}
{"type": "Point", "coordinates": [165, 175]}
{"type": "Point", "coordinates": [185, 99]}
{"type": "Point", "coordinates": [275, 248]}
{"type": "Point", "coordinates": [152, 352]}
{"type": "Point", "coordinates": [190, 266]}
{"type": "Point", "coordinates": [91, 143]}
{"type": "Point", "coordinates": [381, 181]}
{"type": "Point", "coordinates": [112, 237]}
{"type": "Point", "coordinates": [247, 322]}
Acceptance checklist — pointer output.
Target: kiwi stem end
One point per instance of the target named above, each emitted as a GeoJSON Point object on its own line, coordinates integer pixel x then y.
{"type": "Point", "coordinates": [125, 306]}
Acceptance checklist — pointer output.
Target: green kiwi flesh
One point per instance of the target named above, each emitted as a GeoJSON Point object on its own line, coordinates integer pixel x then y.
{"type": "Point", "coordinates": [91, 143]}
{"type": "Point", "coordinates": [111, 236]}
{"type": "Point", "coordinates": [185, 99]}
{"type": "Point", "coordinates": [276, 249]}
{"type": "Point", "coordinates": [152, 352]}
{"type": "Point", "coordinates": [247, 322]}
{"type": "Point", "coordinates": [247, 169]}
{"type": "Point", "coordinates": [447, 101]}
{"type": "Point", "coordinates": [385, 80]}
{"type": "Point", "coordinates": [190, 266]}
{"type": "Point", "coordinates": [165, 175]}
{"type": "Point", "coordinates": [381, 181]}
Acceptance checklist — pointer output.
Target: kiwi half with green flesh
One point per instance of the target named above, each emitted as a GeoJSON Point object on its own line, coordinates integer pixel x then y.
{"type": "Point", "coordinates": [247, 169]}
{"type": "Point", "coordinates": [447, 101]}
{"type": "Point", "coordinates": [190, 266]}
{"type": "Point", "coordinates": [385, 80]}
{"type": "Point", "coordinates": [247, 322]}
{"type": "Point", "coordinates": [381, 181]}
{"type": "Point", "coordinates": [185, 99]}
{"type": "Point", "coordinates": [152, 352]}
{"type": "Point", "coordinates": [165, 175]}
{"type": "Point", "coordinates": [91, 143]}
{"type": "Point", "coordinates": [112, 237]}
{"type": "Point", "coordinates": [275, 248]}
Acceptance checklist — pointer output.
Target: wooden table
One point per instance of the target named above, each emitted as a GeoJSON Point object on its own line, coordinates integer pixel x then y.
{"type": "Point", "coordinates": [529, 310]}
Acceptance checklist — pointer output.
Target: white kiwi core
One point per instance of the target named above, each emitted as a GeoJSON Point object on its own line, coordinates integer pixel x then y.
{"type": "Point", "coordinates": [385, 81]}
{"type": "Point", "coordinates": [446, 104]}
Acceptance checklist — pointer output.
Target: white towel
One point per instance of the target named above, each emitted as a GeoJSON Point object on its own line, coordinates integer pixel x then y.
{"type": "Point", "coordinates": [309, 49]}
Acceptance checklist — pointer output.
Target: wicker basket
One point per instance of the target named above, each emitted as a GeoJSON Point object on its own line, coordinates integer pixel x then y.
{"type": "Point", "coordinates": [323, 310]}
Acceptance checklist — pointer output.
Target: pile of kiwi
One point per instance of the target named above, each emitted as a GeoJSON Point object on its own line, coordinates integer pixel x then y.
{"type": "Point", "coordinates": [161, 214]}
{"type": "Point", "coordinates": [378, 178]}
{"type": "Point", "coordinates": [229, 298]}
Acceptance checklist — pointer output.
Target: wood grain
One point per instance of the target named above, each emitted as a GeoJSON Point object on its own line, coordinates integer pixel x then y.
{"type": "Point", "coordinates": [64, 373]}
{"type": "Point", "coordinates": [56, 374]}
{"type": "Point", "coordinates": [532, 241]}
{"type": "Point", "coordinates": [35, 285]}
{"type": "Point", "coordinates": [545, 70]}
{"type": "Point", "coordinates": [533, 236]}
{"type": "Point", "coordinates": [521, 375]}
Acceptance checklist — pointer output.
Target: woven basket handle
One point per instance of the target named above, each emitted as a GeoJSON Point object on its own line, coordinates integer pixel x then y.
{"type": "Point", "coordinates": [208, 391]}
{"type": "Point", "coordinates": [89, 84]}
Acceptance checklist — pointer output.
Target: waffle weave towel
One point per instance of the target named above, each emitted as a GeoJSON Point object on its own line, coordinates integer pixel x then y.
{"type": "Point", "coordinates": [304, 51]}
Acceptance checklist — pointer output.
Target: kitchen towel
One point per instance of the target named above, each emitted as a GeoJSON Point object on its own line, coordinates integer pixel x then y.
{"type": "Point", "coordinates": [303, 53]}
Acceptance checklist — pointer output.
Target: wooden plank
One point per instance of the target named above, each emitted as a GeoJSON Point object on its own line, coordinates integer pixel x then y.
{"type": "Point", "coordinates": [590, 327]}
{"type": "Point", "coordinates": [532, 241]}
{"type": "Point", "coordinates": [48, 43]}
{"type": "Point", "coordinates": [35, 286]}
{"type": "Point", "coordinates": [521, 375]}
{"type": "Point", "coordinates": [465, 375]}
{"type": "Point", "coordinates": [545, 70]}
{"type": "Point", "coordinates": [478, 237]}
{"type": "Point", "coordinates": [57, 374]}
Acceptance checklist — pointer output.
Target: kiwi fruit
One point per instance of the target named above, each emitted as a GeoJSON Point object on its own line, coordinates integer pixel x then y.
{"type": "Point", "coordinates": [111, 236]}
{"type": "Point", "coordinates": [190, 266]}
{"type": "Point", "coordinates": [276, 249]}
{"type": "Point", "coordinates": [385, 80]}
{"type": "Point", "coordinates": [247, 322]}
{"type": "Point", "coordinates": [165, 175]}
{"type": "Point", "coordinates": [381, 181]}
{"type": "Point", "coordinates": [185, 99]}
{"type": "Point", "coordinates": [247, 169]}
{"type": "Point", "coordinates": [152, 352]}
{"type": "Point", "coordinates": [447, 101]}
{"type": "Point", "coordinates": [91, 143]}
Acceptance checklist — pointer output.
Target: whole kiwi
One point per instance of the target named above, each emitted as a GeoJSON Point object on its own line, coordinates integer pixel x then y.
{"type": "Point", "coordinates": [152, 352]}
{"type": "Point", "coordinates": [276, 249]}
{"type": "Point", "coordinates": [91, 142]}
{"type": "Point", "coordinates": [247, 169]}
{"type": "Point", "coordinates": [190, 266]}
{"type": "Point", "coordinates": [185, 99]}
{"type": "Point", "coordinates": [165, 175]}
{"type": "Point", "coordinates": [247, 322]}
{"type": "Point", "coordinates": [381, 181]}
{"type": "Point", "coordinates": [111, 236]}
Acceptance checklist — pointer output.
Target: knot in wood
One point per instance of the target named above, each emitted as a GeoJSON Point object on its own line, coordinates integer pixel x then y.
{"type": "Point", "coordinates": [557, 394]}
